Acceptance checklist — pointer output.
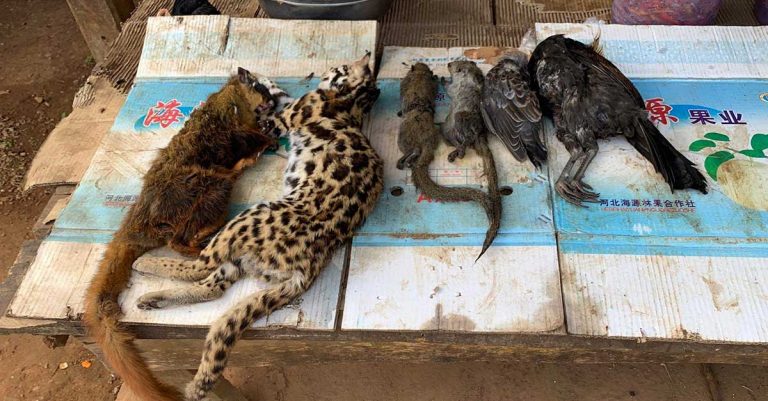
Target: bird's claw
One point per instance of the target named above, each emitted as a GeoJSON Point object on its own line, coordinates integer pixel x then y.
{"type": "Point", "coordinates": [585, 185]}
{"type": "Point", "coordinates": [575, 194]}
{"type": "Point", "coordinates": [587, 194]}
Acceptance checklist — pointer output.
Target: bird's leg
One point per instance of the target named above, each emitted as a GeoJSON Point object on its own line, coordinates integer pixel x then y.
{"type": "Point", "coordinates": [576, 180]}
{"type": "Point", "coordinates": [562, 185]}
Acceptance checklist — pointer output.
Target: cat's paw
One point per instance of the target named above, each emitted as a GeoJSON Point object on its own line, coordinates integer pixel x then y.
{"type": "Point", "coordinates": [151, 301]}
{"type": "Point", "coordinates": [194, 393]}
{"type": "Point", "coordinates": [145, 266]}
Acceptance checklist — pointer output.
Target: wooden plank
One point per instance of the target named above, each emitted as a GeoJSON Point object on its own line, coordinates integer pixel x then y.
{"type": "Point", "coordinates": [55, 285]}
{"type": "Point", "coordinates": [510, 289]}
{"type": "Point", "coordinates": [275, 48]}
{"type": "Point", "coordinates": [645, 296]}
{"type": "Point", "coordinates": [53, 208]}
{"type": "Point", "coordinates": [67, 151]}
{"type": "Point", "coordinates": [428, 12]}
{"type": "Point", "coordinates": [9, 287]}
{"type": "Point", "coordinates": [224, 390]}
{"type": "Point", "coordinates": [99, 22]}
{"type": "Point", "coordinates": [446, 347]}
{"type": "Point", "coordinates": [50, 290]}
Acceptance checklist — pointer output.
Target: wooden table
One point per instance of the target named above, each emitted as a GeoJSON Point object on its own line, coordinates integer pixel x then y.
{"type": "Point", "coordinates": [170, 348]}
{"type": "Point", "coordinates": [432, 308]}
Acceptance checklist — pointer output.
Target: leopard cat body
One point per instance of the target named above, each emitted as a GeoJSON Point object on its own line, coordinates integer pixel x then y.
{"type": "Point", "coordinates": [332, 181]}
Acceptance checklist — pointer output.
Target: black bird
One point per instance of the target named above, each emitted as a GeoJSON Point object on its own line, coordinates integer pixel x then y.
{"type": "Point", "coordinates": [589, 98]}
{"type": "Point", "coordinates": [190, 7]}
{"type": "Point", "coordinates": [511, 109]}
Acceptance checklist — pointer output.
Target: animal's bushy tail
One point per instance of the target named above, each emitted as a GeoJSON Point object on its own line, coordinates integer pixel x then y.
{"type": "Point", "coordinates": [491, 203]}
{"type": "Point", "coordinates": [676, 169]}
{"type": "Point", "coordinates": [102, 314]}
{"type": "Point", "coordinates": [228, 328]}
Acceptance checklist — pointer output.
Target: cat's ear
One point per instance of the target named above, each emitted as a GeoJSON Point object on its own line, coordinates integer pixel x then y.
{"type": "Point", "coordinates": [364, 60]}
{"type": "Point", "coordinates": [244, 76]}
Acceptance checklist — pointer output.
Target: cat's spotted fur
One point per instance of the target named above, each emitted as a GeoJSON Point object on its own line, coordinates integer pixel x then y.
{"type": "Point", "coordinates": [332, 182]}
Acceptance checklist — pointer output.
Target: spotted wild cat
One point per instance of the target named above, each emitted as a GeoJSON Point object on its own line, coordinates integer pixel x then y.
{"type": "Point", "coordinates": [332, 182]}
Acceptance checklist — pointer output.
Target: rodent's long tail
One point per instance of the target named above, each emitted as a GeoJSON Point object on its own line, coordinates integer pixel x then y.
{"type": "Point", "coordinates": [102, 314]}
{"type": "Point", "coordinates": [494, 195]}
{"type": "Point", "coordinates": [424, 183]}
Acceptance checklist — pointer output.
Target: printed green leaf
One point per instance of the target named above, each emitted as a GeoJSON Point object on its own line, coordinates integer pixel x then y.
{"type": "Point", "coordinates": [716, 136]}
{"type": "Point", "coordinates": [759, 142]}
{"type": "Point", "coordinates": [713, 162]}
{"type": "Point", "coordinates": [701, 144]}
{"type": "Point", "coordinates": [753, 153]}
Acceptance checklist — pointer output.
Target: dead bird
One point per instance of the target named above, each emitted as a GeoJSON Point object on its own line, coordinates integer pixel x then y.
{"type": "Point", "coordinates": [184, 198]}
{"type": "Point", "coordinates": [189, 7]}
{"type": "Point", "coordinates": [589, 99]}
{"type": "Point", "coordinates": [464, 129]}
{"type": "Point", "coordinates": [511, 109]}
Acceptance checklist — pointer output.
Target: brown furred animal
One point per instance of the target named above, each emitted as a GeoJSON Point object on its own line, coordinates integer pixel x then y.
{"type": "Point", "coordinates": [183, 200]}
{"type": "Point", "coordinates": [332, 182]}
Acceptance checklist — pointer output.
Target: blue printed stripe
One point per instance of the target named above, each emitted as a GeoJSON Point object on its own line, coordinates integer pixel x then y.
{"type": "Point", "coordinates": [404, 239]}
{"type": "Point", "coordinates": [666, 246]}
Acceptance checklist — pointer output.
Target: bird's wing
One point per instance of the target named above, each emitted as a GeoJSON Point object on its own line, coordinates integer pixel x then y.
{"type": "Point", "coordinates": [509, 106]}
{"type": "Point", "coordinates": [588, 56]}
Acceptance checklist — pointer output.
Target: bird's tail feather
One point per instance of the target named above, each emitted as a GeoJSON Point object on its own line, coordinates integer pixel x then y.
{"type": "Point", "coordinates": [534, 147]}
{"type": "Point", "coordinates": [677, 170]}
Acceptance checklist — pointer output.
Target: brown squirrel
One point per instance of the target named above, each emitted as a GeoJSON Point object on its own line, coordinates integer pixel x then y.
{"type": "Point", "coordinates": [183, 200]}
{"type": "Point", "coordinates": [418, 139]}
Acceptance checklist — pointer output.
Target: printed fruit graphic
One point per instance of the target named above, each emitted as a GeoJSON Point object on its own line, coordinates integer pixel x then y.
{"type": "Point", "coordinates": [746, 182]}
{"type": "Point", "coordinates": [742, 174]}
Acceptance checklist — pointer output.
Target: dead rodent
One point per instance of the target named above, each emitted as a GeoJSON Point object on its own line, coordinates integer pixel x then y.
{"type": "Point", "coordinates": [418, 139]}
{"type": "Point", "coordinates": [464, 128]}
{"type": "Point", "coordinates": [418, 136]}
{"type": "Point", "coordinates": [183, 200]}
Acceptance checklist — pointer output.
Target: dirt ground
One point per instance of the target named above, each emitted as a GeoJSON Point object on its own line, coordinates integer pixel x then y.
{"type": "Point", "coordinates": [44, 61]}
